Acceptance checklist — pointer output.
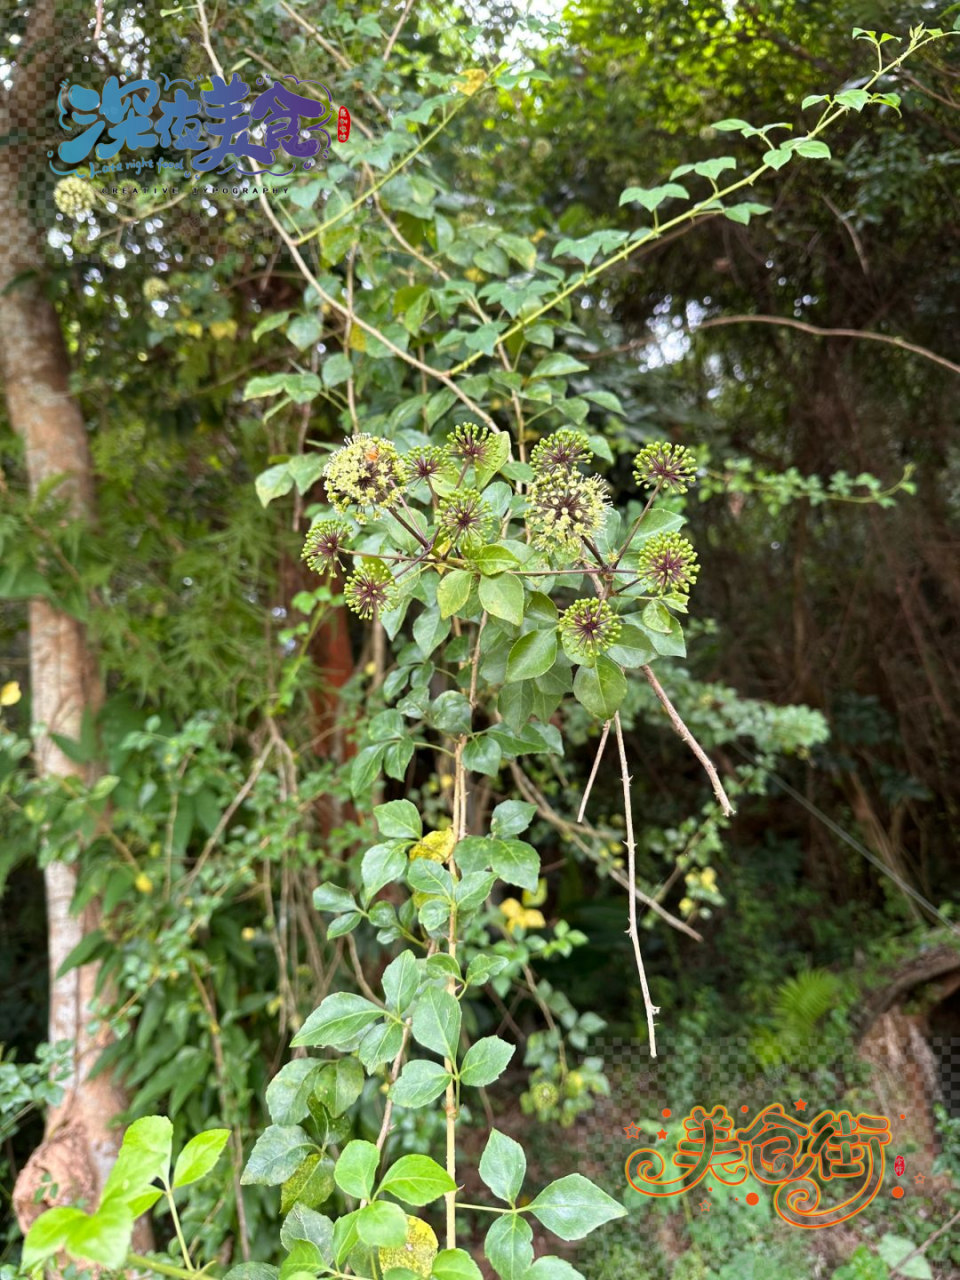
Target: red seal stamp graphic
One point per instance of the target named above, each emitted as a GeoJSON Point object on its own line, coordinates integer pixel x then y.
{"type": "Point", "coordinates": [343, 125]}
{"type": "Point", "coordinates": [899, 1165]}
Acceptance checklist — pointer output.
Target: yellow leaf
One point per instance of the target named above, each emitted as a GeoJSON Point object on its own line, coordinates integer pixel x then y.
{"type": "Point", "coordinates": [470, 81]}
{"type": "Point", "coordinates": [435, 845]}
{"type": "Point", "coordinates": [358, 339]}
{"type": "Point", "coordinates": [10, 694]}
{"type": "Point", "coordinates": [143, 883]}
{"type": "Point", "coordinates": [417, 1254]}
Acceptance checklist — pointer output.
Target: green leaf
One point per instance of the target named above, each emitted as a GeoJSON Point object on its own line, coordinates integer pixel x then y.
{"type": "Point", "coordinates": [104, 1237]}
{"type": "Point", "coordinates": [600, 689]}
{"type": "Point", "coordinates": [777, 157]}
{"type": "Point", "coordinates": [380, 1044]}
{"type": "Point", "coordinates": [427, 876]}
{"type": "Point", "coordinates": [493, 559]}
{"type": "Point", "coordinates": [304, 1223]}
{"type": "Point", "coordinates": [336, 369]}
{"type": "Point", "coordinates": [482, 968]}
{"type": "Point", "coordinates": [503, 1166]}
{"type": "Point", "coordinates": [573, 1206]}
{"type": "Point", "coordinates": [382, 1224]}
{"type": "Point", "coordinates": [453, 591]}
{"type": "Point", "coordinates": [813, 149]}
{"type": "Point", "coordinates": [338, 1023]}
{"type": "Point", "coordinates": [550, 1267]}
{"type": "Point", "coordinates": [511, 818]}
{"type": "Point", "coordinates": [450, 713]}
{"type": "Point", "coordinates": [401, 978]}
{"type": "Point", "coordinates": [485, 1061]}
{"type": "Point", "coordinates": [429, 630]}
{"type": "Point", "coordinates": [275, 482]}
{"type": "Point", "coordinates": [532, 655]}
{"type": "Point", "coordinates": [304, 331]}
{"type": "Point", "coordinates": [366, 766]}
{"type": "Point", "coordinates": [812, 99]}
{"type": "Point", "coordinates": [251, 1270]}
{"type": "Point", "coordinates": [742, 213]}
{"type": "Point", "coordinates": [312, 1184]}
{"type": "Point", "coordinates": [199, 1156]}
{"type": "Point", "coordinates": [277, 1155]}
{"type": "Point", "coordinates": [857, 99]}
{"type": "Point", "coordinates": [483, 755]}
{"type": "Point", "coordinates": [382, 864]}
{"type": "Point", "coordinates": [473, 890]}
{"type": "Point", "coordinates": [657, 617]}
{"type": "Point", "coordinates": [509, 1246]}
{"type": "Point", "coordinates": [502, 597]}
{"type": "Point", "coordinates": [497, 453]}
{"type": "Point", "coordinates": [150, 1142]}
{"type": "Point", "coordinates": [419, 1083]}
{"type": "Point", "coordinates": [653, 197]}
{"type": "Point", "coordinates": [356, 1170]}
{"type": "Point", "coordinates": [632, 649]}
{"type": "Point", "coordinates": [270, 323]}
{"type": "Point", "coordinates": [557, 365]}
{"type": "Point", "coordinates": [289, 1091]}
{"type": "Point", "coordinates": [416, 1180]}
{"type": "Point", "coordinates": [339, 1085]}
{"type": "Point", "coordinates": [330, 897]}
{"type": "Point", "coordinates": [455, 1264]}
{"type": "Point", "coordinates": [893, 1249]}
{"type": "Point", "coordinates": [48, 1233]}
{"type": "Point", "coordinates": [516, 862]}
{"type": "Point", "coordinates": [436, 1022]}
{"type": "Point", "coordinates": [398, 820]}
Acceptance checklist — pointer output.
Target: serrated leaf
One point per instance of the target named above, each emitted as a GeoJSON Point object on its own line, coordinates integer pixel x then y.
{"type": "Point", "coordinates": [420, 1082]}
{"type": "Point", "coordinates": [398, 820]}
{"type": "Point", "coordinates": [511, 818]}
{"type": "Point", "coordinates": [382, 1224]}
{"type": "Point", "coordinates": [777, 157]}
{"type": "Point", "coordinates": [573, 1206]}
{"type": "Point", "coordinates": [356, 1170]}
{"type": "Point", "coordinates": [436, 1022]}
{"type": "Point", "coordinates": [304, 1223]}
{"type": "Point", "coordinates": [558, 365]}
{"type": "Point", "coordinates": [653, 197]}
{"type": "Point", "coordinates": [509, 1246]}
{"type": "Point", "coordinates": [455, 1264]}
{"type": "Point", "coordinates": [338, 1023]}
{"type": "Point", "coordinates": [485, 1061]}
{"type": "Point", "coordinates": [382, 864]}
{"type": "Point", "coordinates": [339, 1084]}
{"type": "Point", "coordinates": [277, 1155]}
{"type": "Point", "coordinates": [416, 1180]}
{"type": "Point", "coordinates": [516, 862]}
{"type": "Point", "coordinates": [289, 1091]}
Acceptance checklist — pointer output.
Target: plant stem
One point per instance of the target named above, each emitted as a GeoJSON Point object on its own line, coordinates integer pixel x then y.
{"type": "Point", "coordinates": [190, 1268]}
{"type": "Point", "coordinates": [648, 1005]}
{"type": "Point", "coordinates": [691, 742]}
{"type": "Point", "coordinates": [139, 1263]}
{"type": "Point", "coordinates": [593, 771]}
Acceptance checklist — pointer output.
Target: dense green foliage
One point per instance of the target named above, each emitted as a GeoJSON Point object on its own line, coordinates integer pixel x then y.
{"type": "Point", "coordinates": [485, 251]}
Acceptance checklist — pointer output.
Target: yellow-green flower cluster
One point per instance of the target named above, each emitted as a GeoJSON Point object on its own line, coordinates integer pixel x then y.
{"type": "Point", "coordinates": [73, 196]}
{"type": "Point", "coordinates": [324, 544]}
{"type": "Point", "coordinates": [668, 564]}
{"type": "Point", "coordinates": [466, 519]}
{"type": "Point", "coordinates": [370, 589]}
{"type": "Point", "coordinates": [366, 473]}
{"type": "Point", "coordinates": [563, 509]}
{"type": "Point", "coordinates": [426, 462]}
{"type": "Point", "coordinates": [563, 451]}
{"type": "Point", "coordinates": [470, 443]}
{"type": "Point", "coordinates": [154, 288]}
{"type": "Point", "coordinates": [589, 627]}
{"type": "Point", "coordinates": [668, 467]}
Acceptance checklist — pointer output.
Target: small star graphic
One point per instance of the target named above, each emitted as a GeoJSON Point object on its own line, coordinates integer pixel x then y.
{"type": "Point", "coordinates": [631, 1131]}
{"type": "Point", "coordinates": [661, 1133]}
{"type": "Point", "coordinates": [704, 1206]}
{"type": "Point", "coordinates": [919, 1179]}
{"type": "Point", "coordinates": [800, 1104]}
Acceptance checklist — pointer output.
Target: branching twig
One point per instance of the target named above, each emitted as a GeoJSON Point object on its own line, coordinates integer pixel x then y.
{"type": "Point", "coordinates": [593, 771]}
{"type": "Point", "coordinates": [691, 742]}
{"type": "Point", "coordinates": [648, 1005]}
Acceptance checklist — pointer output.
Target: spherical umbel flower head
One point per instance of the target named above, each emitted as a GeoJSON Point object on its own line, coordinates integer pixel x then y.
{"type": "Point", "coordinates": [565, 450]}
{"type": "Point", "coordinates": [324, 544]}
{"type": "Point", "coordinates": [427, 462]}
{"type": "Point", "coordinates": [370, 589]}
{"type": "Point", "coordinates": [589, 627]}
{"type": "Point", "coordinates": [470, 443]}
{"type": "Point", "coordinates": [668, 467]}
{"type": "Point", "coordinates": [366, 472]}
{"type": "Point", "coordinates": [73, 196]}
{"type": "Point", "coordinates": [465, 518]}
{"type": "Point", "coordinates": [668, 564]}
{"type": "Point", "coordinates": [563, 509]}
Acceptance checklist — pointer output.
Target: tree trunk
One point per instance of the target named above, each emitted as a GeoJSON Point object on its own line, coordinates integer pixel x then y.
{"type": "Point", "coordinates": [80, 1146]}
